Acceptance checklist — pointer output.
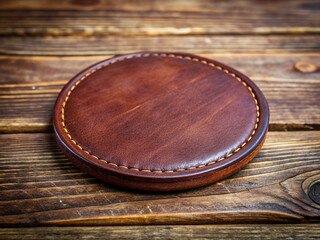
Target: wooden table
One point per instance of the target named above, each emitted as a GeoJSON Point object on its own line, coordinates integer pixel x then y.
{"type": "Point", "coordinates": [44, 43]}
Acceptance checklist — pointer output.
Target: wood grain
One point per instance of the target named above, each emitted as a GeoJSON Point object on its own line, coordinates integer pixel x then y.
{"type": "Point", "coordinates": [209, 20]}
{"type": "Point", "coordinates": [39, 186]}
{"type": "Point", "coordinates": [267, 40]}
{"type": "Point", "coordinates": [27, 94]}
{"type": "Point", "coordinates": [34, 69]}
{"type": "Point", "coordinates": [155, 18]}
{"type": "Point", "coordinates": [86, 46]}
{"type": "Point", "coordinates": [241, 231]}
{"type": "Point", "coordinates": [300, 6]}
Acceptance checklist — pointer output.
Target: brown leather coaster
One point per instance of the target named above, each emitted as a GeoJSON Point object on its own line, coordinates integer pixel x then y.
{"type": "Point", "coordinates": [160, 121]}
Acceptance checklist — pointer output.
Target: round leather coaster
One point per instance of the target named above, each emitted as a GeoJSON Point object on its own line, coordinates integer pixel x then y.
{"type": "Point", "coordinates": [160, 121]}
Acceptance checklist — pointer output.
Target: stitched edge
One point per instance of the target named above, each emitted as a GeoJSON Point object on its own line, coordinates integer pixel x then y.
{"type": "Point", "coordinates": [162, 55]}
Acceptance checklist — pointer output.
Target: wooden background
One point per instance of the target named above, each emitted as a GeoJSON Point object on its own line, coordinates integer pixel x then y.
{"type": "Point", "coordinates": [45, 43]}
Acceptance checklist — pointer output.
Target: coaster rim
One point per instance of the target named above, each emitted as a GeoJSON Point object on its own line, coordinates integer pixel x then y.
{"type": "Point", "coordinates": [129, 174]}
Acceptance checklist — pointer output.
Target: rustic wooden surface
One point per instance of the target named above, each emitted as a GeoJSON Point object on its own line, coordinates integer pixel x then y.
{"type": "Point", "coordinates": [42, 187]}
{"type": "Point", "coordinates": [253, 231]}
{"type": "Point", "coordinates": [98, 45]}
{"type": "Point", "coordinates": [44, 43]}
{"type": "Point", "coordinates": [145, 17]}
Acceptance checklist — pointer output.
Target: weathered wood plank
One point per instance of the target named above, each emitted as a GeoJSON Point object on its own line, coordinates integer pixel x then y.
{"type": "Point", "coordinates": [39, 186]}
{"type": "Point", "coordinates": [35, 69]}
{"type": "Point", "coordinates": [30, 85]}
{"type": "Point", "coordinates": [165, 5]}
{"type": "Point", "coordinates": [215, 20]}
{"type": "Point", "coordinates": [241, 231]}
{"type": "Point", "coordinates": [80, 46]}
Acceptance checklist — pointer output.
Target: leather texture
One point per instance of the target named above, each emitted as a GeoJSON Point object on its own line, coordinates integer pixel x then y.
{"type": "Point", "coordinates": [160, 121]}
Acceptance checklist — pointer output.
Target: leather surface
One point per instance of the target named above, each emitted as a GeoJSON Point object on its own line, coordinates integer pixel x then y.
{"type": "Point", "coordinates": [160, 114]}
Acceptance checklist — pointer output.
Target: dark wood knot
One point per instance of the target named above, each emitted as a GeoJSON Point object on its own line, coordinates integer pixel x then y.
{"type": "Point", "coordinates": [314, 192]}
